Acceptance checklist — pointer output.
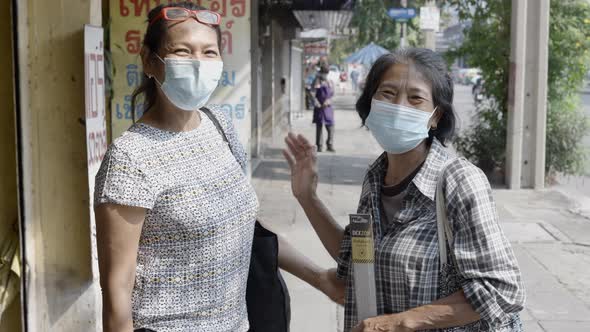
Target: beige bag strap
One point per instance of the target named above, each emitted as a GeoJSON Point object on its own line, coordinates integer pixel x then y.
{"type": "Point", "coordinates": [445, 234]}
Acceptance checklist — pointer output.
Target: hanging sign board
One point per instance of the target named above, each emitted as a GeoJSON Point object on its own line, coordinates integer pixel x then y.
{"type": "Point", "coordinates": [95, 119]}
{"type": "Point", "coordinates": [401, 14]}
{"type": "Point", "coordinates": [429, 18]}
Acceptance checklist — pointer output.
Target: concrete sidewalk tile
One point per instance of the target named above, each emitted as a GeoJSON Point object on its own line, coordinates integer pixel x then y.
{"type": "Point", "coordinates": [526, 232]}
{"type": "Point", "coordinates": [574, 227]}
{"type": "Point", "coordinates": [555, 232]}
{"type": "Point", "coordinates": [535, 276]}
{"type": "Point", "coordinates": [569, 264]}
{"type": "Point", "coordinates": [563, 326]}
{"type": "Point", "coordinates": [525, 315]}
{"type": "Point", "coordinates": [311, 311]}
{"type": "Point", "coordinates": [556, 305]}
{"type": "Point", "coordinates": [531, 326]}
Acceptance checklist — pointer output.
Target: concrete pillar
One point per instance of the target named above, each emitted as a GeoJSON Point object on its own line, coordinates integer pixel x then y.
{"type": "Point", "coordinates": [61, 294]}
{"type": "Point", "coordinates": [256, 92]}
{"type": "Point", "coordinates": [535, 100]}
{"type": "Point", "coordinates": [11, 317]}
{"type": "Point", "coordinates": [527, 105]}
{"type": "Point", "coordinates": [285, 84]}
{"type": "Point", "coordinates": [296, 81]}
{"type": "Point", "coordinates": [516, 94]}
{"type": "Point", "coordinates": [278, 56]}
{"type": "Point", "coordinates": [267, 83]}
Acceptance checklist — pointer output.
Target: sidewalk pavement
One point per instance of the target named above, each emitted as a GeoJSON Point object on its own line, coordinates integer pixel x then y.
{"type": "Point", "coordinates": [549, 232]}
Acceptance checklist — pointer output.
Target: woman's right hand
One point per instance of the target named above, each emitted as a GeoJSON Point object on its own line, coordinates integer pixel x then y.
{"type": "Point", "coordinates": [302, 159]}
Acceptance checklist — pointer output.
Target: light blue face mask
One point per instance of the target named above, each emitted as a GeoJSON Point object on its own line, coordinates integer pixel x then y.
{"type": "Point", "coordinates": [189, 83]}
{"type": "Point", "coordinates": [398, 129]}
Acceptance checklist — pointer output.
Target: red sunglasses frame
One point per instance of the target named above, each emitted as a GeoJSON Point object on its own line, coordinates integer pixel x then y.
{"type": "Point", "coordinates": [192, 14]}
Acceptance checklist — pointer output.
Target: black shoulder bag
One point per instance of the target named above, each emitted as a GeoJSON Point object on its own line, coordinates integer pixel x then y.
{"type": "Point", "coordinates": [267, 297]}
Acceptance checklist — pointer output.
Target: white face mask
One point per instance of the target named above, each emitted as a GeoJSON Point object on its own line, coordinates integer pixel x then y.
{"type": "Point", "coordinates": [398, 129]}
{"type": "Point", "coordinates": [189, 83]}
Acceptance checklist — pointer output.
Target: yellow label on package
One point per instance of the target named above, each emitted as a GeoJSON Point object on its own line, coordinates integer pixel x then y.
{"type": "Point", "coordinates": [361, 232]}
{"type": "Point", "coordinates": [362, 250]}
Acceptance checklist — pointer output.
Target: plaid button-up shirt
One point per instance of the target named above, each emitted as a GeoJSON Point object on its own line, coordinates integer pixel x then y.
{"type": "Point", "coordinates": [406, 248]}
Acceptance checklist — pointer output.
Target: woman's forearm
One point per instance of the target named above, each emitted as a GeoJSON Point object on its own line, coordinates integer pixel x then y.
{"type": "Point", "coordinates": [453, 310]}
{"type": "Point", "coordinates": [294, 262]}
{"type": "Point", "coordinates": [325, 226]}
{"type": "Point", "coordinates": [116, 312]}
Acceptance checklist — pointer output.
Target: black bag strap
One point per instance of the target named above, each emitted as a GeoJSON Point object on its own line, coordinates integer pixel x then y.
{"type": "Point", "coordinates": [217, 125]}
{"type": "Point", "coordinates": [213, 119]}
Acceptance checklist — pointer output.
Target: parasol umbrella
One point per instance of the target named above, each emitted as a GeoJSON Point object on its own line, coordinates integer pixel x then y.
{"type": "Point", "coordinates": [367, 55]}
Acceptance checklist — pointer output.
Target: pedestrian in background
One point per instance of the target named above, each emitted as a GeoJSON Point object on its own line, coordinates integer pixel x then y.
{"type": "Point", "coordinates": [323, 113]}
{"type": "Point", "coordinates": [354, 79]}
{"type": "Point", "coordinates": [310, 78]}
{"type": "Point", "coordinates": [442, 261]}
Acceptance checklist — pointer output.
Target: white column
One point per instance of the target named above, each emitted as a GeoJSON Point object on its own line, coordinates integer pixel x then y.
{"type": "Point", "coordinates": [430, 35]}
{"type": "Point", "coordinates": [536, 94]}
{"type": "Point", "coordinates": [516, 94]}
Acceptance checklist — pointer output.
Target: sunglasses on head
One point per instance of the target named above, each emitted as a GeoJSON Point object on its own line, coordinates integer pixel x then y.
{"type": "Point", "coordinates": [180, 14]}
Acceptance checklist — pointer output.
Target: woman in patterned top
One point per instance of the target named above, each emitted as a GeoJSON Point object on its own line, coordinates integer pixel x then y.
{"type": "Point", "coordinates": [407, 105]}
{"type": "Point", "coordinates": [175, 212]}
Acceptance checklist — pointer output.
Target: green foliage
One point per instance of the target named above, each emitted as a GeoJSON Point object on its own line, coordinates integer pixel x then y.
{"type": "Point", "coordinates": [373, 25]}
{"type": "Point", "coordinates": [485, 142]}
{"type": "Point", "coordinates": [566, 126]}
{"type": "Point", "coordinates": [487, 46]}
{"type": "Point", "coordinates": [487, 43]}
{"type": "Point", "coordinates": [569, 60]}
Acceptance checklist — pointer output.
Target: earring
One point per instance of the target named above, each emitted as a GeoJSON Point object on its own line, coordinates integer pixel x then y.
{"type": "Point", "coordinates": [150, 76]}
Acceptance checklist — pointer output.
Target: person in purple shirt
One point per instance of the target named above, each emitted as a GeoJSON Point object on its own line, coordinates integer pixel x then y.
{"type": "Point", "coordinates": [323, 113]}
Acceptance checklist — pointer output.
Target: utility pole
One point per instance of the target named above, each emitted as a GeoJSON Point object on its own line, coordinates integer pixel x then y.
{"type": "Point", "coordinates": [404, 33]}
{"type": "Point", "coordinates": [430, 35]}
{"type": "Point", "coordinates": [527, 99]}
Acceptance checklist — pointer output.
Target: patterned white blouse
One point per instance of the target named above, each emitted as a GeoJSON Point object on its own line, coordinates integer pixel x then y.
{"type": "Point", "coordinates": [194, 250]}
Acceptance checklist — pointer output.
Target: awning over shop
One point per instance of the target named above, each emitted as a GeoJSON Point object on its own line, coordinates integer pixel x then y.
{"type": "Point", "coordinates": [334, 21]}
{"type": "Point", "coordinates": [323, 4]}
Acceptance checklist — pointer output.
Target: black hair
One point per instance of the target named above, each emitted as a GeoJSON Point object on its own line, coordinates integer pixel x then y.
{"type": "Point", "coordinates": [434, 69]}
{"type": "Point", "coordinates": [152, 42]}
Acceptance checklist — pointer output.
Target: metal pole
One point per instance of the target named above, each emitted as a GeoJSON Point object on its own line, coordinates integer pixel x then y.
{"type": "Point", "coordinates": [516, 94]}
{"type": "Point", "coordinates": [402, 42]}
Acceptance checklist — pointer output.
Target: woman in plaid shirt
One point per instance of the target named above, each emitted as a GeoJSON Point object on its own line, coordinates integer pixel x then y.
{"type": "Point", "coordinates": [407, 105]}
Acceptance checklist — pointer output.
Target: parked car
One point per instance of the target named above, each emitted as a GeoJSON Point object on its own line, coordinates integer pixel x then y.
{"type": "Point", "coordinates": [466, 76]}
{"type": "Point", "coordinates": [471, 76]}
